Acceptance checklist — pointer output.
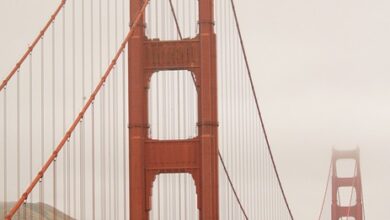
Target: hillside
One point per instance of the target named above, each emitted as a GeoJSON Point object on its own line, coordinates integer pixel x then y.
{"type": "Point", "coordinates": [33, 208]}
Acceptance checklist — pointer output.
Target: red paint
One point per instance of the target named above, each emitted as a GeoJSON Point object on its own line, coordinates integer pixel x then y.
{"type": "Point", "coordinates": [355, 181]}
{"type": "Point", "coordinates": [198, 156]}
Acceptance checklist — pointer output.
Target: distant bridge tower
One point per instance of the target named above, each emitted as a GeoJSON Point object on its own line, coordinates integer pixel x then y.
{"type": "Point", "coordinates": [354, 183]}
{"type": "Point", "coordinates": [197, 156]}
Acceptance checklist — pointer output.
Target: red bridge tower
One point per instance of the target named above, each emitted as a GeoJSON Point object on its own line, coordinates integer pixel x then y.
{"type": "Point", "coordinates": [355, 182]}
{"type": "Point", "coordinates": [197, 156]}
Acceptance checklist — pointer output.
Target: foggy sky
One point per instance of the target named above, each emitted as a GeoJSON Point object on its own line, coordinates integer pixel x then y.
{"type": "Point", "coordinates": [321, 70]}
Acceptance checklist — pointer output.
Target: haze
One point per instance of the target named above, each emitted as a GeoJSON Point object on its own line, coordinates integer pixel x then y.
{"type": "Point", "coordinates": [322, 74]}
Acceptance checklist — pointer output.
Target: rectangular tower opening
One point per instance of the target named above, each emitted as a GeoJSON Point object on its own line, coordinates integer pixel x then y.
{"type": "Point", "coordinates": [173, 106]}
{"type": "Point", "coordinates": [174, 197]}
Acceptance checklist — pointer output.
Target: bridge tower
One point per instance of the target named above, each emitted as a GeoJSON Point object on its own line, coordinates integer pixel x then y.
{"type": "Point", "coordinates": [197, 156]}
{"type": "Point", "coordinates": [355, 210]}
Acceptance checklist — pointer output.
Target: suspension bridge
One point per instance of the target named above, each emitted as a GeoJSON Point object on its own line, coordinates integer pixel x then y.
{"type": "Point", "coordinates": [144, 109]}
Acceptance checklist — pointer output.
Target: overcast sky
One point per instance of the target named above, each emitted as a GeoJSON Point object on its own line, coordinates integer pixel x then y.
{"type": "Point", "coordinates": [322, 73]}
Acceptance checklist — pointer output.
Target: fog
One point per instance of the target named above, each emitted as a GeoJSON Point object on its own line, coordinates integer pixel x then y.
{"type": "Point", "coordinates": [321, 71]}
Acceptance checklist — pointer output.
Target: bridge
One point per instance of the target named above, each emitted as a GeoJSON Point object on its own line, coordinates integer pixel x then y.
{"type": "Point", "coordinates": [147, 113]}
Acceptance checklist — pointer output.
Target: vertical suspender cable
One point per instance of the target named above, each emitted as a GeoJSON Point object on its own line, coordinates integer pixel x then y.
{"type": "Point", "coordinates": [115, 117]}
{"type": "Point", "coordinates": [109, 115]}
{"type": "Point", "coordinates": [109, 153]}
{"type": "Point", "coordinates": [102, 121]}
{"type": "Point", "coordinates": [124, 134]}
{"type": "Point", "coordinates": [185, 129]}
{"type": "Point", "coordinates": [244, 132]}
{"type": "Point", "coordinates": [30, 127]}
{"type": "Point", "coordinates": [18, 136]}
{"type": "Point", "coordinates": [221, 24]}
{"type": "Point", "coordinates": [82, 168]}
{"type": "Point", "coordinates": [41, 188]}
{"type": "Point", "coordinates": [179, 134]}
{"type": "Point", "coordinates": [192, 128]}
{"type": "Point", "coordinates": [64, 164]}
{"type": "Point", "coordinates": [5, 150]}
{"type": "Point", "coordinates": [171, 101]}
{"type": "Point", "coordinates": [54, 122]}
{"type": "Point", "coordinates": [351, 195]}
{"type": "Point", "coordinates": [170, 111]}
{"type": "Point", "coordinates": [232, 107]}
{"type": "Point", "coordinates": [124, 117]}
{"type": "Point", "coordinates": [326, 190]}
{"type": "Point", "coordinates": [93, 117]}
{"type": "Point", "coordinates": [258, 110]}
{"type": "Point", "coordinates": [74, 104]}
{"type": "Point", "coordinates": [82, 122]}
{"type": "Point", "coordinates": [165, 119]}
{"type": "Point", "coordinates": [237, 121]}
{"type": "Point", "coordinates": [103, 152]}
{"type": "Point", "coordinates": [158, 132]}
{"type": "Point", "coordinates": [154, 33]}
{"type": "Point", "coordinates": [185, 133]}
{"type": "Point", "coordinates": [60, 146]}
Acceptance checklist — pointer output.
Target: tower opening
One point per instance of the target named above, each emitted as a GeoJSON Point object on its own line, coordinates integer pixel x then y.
{"type": "Point", "coordinates": [173, 106]}
{"type": "Point", "coordinates": [346, 168]}
{"type": "Point", "coordinates": [174, 21]}
{"type": "Point", "coordinates": [174, 197]}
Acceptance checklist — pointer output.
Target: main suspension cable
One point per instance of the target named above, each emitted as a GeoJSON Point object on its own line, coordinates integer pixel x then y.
{"type": "Point", "coordinates": [258, 108]}
{"type": "Point", "coordinates": [32, 46]}
{"type": "Point", "coordinates": [232, 185]}
{"type": "Point", "coordinates": [326, 190]}
{"type": "Point", "coordinates": [81, 114]}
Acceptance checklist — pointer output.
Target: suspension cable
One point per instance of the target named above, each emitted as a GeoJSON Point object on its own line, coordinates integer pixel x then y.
{"type": "Point", "coordinates": [124, 121]}
{"type": "Point", "coordinates": [175, 18]}
{"type": "Point", "coordinates": [32, 46]}
{"type": "Point", "coordinates": [64, 164]}
{"type": "Point", "coordinates": [102, 121]}
{"type": "Point", "coordinates": [5, 151]}
{"type": "Point", "coordinates": [109, 146]}
{"type": "Point", "coordinates": [30, 123]}
{"type": "Point", "coordinates": [74, 104]}
{"type": "Point", "coordinates": [18, 135]}
{"type": "Point", "coordinates": [115, 119]}
{"type": "Point", "coordinates": [258, 107]}
{"type": "Point", "coordinates": [54, 122]}
{"type": "Point", "coordinates": [353, 187]}
{"type": "Point", "coordinates": [179, 32]}
{"type": "Point", "coordinates": [232, 186]}
{"type": "Point", "coordinates": [41, 188]}
{"type": "Point", "coordinates": [81, 114]}
{"type": "Point", "coordinates": [82, 121]}
{"type": "Point", "coordinates": [93, 117]}
{"type": "Point", "coordinates": [326, 190]}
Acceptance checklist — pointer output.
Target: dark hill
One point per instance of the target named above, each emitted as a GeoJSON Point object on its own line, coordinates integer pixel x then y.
{"type": "Point", "coordinates": [33, 208]}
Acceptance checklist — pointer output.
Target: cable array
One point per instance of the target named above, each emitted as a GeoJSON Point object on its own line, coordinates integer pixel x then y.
{"type": "Point", "coordinates": [54, 88]}
{"type": "Point", "coordinates": [242, 136]}
{"type": "Point", "coordinates": [346, 196]}
{"type": "Point", "coordinates": [86, 175]}
{"type": "Point", "coordinates": [172, 107]}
